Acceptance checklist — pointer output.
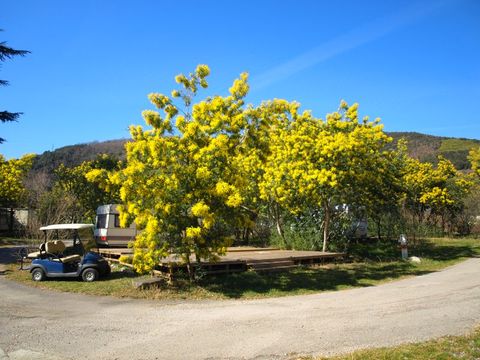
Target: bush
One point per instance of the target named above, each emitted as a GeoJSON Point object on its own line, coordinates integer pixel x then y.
{"type": "Point", "coordinates": [305, 232]}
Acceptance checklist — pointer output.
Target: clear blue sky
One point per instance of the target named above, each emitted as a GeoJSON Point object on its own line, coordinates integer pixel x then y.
{"type": "Point", "coordinates": [415, 64]}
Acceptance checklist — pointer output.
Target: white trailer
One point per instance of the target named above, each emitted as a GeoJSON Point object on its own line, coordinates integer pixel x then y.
{"type": "Point", "coordinates": [108, 232]}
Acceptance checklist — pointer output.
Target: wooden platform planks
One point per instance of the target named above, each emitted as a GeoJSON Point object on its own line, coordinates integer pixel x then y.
{"type": "Point", "coordinates": [243, 258]}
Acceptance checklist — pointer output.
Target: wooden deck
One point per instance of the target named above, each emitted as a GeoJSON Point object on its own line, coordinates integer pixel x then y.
{"type": "Point", "coordinates": [242, 259]}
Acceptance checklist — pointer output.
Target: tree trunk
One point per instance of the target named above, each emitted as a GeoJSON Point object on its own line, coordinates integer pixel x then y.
{"type": "Point", "coordinates": [170, 279]}
{"type": "Point", "coordinates": [326, 226]}
{"type": "Point", "coordinates": [379, 232]}
{"type": "Point", "coordinates": [278, 223]}
{"type": "Point", "coordinates": [246, 236]}
{"type": "Point", "coordinates": [414, 229]}
{"type": "Point", "coordinates": [279, 229]}
{"type": "Point", "coordinates": [191, 271]}
{"type": "Point", "coordinates": [443, 224]}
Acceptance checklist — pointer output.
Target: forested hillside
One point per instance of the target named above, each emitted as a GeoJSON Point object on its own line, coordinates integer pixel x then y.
{"type": "Point", "coordinates": [421, 146]}
{"type": "Point", "coordinates": [74, 155]}
{"type": "Point", "coordinates": [426, 148]}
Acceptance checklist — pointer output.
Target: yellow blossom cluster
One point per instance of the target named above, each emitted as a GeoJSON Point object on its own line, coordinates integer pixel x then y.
{"type": "Point", "coordinates": [474, 157]}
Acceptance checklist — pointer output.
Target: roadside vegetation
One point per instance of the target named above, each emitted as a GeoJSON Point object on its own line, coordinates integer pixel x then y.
{"type": "Point", "coordinates": [371, 264]}
{"type": "Point", "coordinates": [449, 347]}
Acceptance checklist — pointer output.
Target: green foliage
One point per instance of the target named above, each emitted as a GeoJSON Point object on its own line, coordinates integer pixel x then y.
{"type": "Point", "coordinates": [458, 158]}
{"type": "Point", "coordinates": [305, 231]}
{"type": "Point", "coordinates": [387, 223]}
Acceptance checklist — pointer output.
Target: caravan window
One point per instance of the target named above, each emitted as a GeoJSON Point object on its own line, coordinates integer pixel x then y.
{"type": "Point", "coordinates": [101, 221]}
{"type": "Point", "coordinates": [117, 220]}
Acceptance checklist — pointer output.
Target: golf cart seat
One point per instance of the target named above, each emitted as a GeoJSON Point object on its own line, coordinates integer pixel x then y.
{"type": "Point", "coordinates": [36, 254]}
{"type": "Point", "coordinates": [56, 247]}
{"type": "Point", "coordinates": [71, 258]}
{"type": "Point", "coordinates": [33, 255]}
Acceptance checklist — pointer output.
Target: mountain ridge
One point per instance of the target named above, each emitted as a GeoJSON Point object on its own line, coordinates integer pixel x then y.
{"type": "Point", "coordinates": [424, 147]}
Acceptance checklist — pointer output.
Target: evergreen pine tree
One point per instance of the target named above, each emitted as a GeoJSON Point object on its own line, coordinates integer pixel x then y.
{"type": "Point", "coordinates": [7, 52]}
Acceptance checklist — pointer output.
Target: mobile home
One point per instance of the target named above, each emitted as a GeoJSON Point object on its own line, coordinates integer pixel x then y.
{"type": "Point", "coordinates": [108, 232]}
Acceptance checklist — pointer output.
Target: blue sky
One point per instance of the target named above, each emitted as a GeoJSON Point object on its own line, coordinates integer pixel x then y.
{"type": "Point", "coordinates": [415, 64]}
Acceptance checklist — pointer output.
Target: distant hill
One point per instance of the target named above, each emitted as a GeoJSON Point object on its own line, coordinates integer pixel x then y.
{"type": "Point", "coordinates": [74, 155]}
{"type": "Point", "coordinates": [421, 146]}
{"type": "Point", "coordinates": [426, 148]}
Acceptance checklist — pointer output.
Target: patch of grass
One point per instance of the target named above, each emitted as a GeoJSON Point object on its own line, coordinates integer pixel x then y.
{"type": "Point", "coordinates": [373, 263]}
{"type": "Point", "coordinates": [445, 348]}
{"type": "Point", "coordinates": [458, 145]}
{"type": "Point", "coordinates": [6, 241]}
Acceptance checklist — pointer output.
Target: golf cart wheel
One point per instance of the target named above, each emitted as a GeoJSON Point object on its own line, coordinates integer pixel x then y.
{"type": "Point", "coordinates": [38, 275]}
{"type": "Point", "coordinates": [90, 275]}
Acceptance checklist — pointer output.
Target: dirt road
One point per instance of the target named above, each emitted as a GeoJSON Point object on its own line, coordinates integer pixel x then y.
{"type": "Point", "coordinates": [35, 322]}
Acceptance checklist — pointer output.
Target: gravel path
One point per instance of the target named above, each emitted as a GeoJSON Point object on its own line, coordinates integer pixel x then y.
{"type": "Point", "coordinates": [36, 323]}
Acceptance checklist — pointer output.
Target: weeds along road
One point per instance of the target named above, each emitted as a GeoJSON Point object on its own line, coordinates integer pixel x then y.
{"type": "Point", "coordinates": [62, 325]}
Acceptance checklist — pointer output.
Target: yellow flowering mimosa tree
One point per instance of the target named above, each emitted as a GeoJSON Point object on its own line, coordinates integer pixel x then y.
{"type": "Point", "coordinates": [12, 176]}
{"type": "Point", "coordinates": [182, 183]}
{"type": "Point", "coordinates": [322, 164]}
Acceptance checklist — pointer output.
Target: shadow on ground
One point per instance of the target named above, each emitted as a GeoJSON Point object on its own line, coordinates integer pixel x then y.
{"type": "Point", "coordinates": [390, 251]}
{"type": "Point", "coordinates": [443, 253]}
{"type": "Point", "coordinates": [308, 280]}
{"type": "Point", "coordinates": [9, 255]}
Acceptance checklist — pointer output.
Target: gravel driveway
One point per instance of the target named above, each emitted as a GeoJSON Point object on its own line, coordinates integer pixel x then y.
{"type": "Point", "coordinates": [44, 324]}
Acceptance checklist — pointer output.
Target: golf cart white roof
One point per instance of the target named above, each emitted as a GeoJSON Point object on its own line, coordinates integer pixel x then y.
{"type": "Point", "coordinates": [66, 227]}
